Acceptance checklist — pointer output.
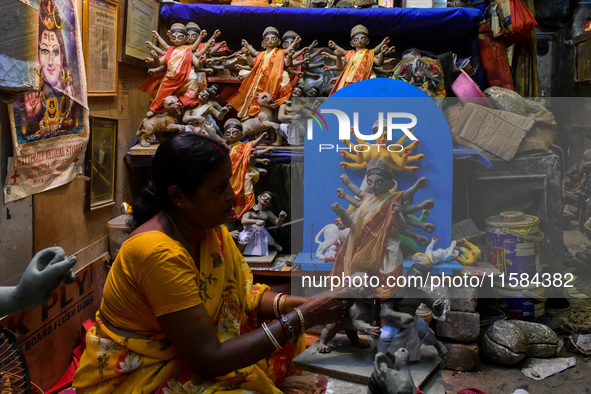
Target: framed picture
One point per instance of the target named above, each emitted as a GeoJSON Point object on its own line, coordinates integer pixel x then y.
{"type": "Point", "coordinates": [101, 155]}
{"type": "Point", "coordinates": [139, 19]}
{"type": "Point", "coordinates": [100, 46]}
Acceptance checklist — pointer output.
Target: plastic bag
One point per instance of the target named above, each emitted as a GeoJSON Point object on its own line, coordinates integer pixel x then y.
{"type": "Point", "coordinates": [516, 19]}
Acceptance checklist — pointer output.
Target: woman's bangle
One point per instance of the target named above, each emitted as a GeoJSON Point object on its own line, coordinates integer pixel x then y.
{"type": "Point", "coordinates": [282, 304]}
{"type": "Point", "coordinates": [288, 328]}
{"type": "Point", "coordinates": [270, 336]}
{"type": "Point", "coordinates": [276, 305]}
{"type": "Point", "coordinates": [302, 321]}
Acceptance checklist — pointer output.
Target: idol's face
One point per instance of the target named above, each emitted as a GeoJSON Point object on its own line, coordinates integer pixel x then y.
{"type": "Point", "coordinates": [271, 41]}
{"type": "Point", "coordinates": [50, 58]}
{"type": "Point", "coordinates": [178, 36]}
{"type": "Point", "coordinates": [265, 199]}
{"type": "Point", "coordinates": [192, 35]}
{"type": "Point", "coordinates": [232, 134]}
{"type": "Point", "coordinates": [203, 96]}
{"type": "Point", "coordinates": [287, 42]}
{"type": "Point", "coordinates": [359, 41]}
{"type": "Point", "coordinates": [379, 184]}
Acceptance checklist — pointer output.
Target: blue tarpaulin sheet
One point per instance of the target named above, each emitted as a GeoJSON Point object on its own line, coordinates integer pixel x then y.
{"type": "Point", "coordinates": [432, 29]}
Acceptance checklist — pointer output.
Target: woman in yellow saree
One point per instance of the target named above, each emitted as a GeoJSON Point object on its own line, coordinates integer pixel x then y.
{"type": "Point", "coordinates": [179, 311]}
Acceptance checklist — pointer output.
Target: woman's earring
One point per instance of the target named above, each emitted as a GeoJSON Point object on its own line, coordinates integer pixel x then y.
{"type": "Point", "coordinates": [179, 204]}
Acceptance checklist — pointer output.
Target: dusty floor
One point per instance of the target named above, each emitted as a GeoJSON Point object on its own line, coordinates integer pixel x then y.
{"type": "Point", "coordinates": [494, 379]}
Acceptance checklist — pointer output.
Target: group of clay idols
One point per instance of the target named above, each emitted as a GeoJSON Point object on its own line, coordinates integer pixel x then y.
{"type": "Point", "coordinates": [182, 100]}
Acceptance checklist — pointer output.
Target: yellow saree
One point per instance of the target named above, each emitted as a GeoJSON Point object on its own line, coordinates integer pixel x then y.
{"type": "Point", "coordinates": [113, 363]}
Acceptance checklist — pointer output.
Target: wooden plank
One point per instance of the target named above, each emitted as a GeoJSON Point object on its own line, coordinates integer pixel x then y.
{"type": "Point", "coordinates": [261, 261]}
{"type": "Point", "coordinates": [354, 364]}
{"type": "Point", "coordinates": [48, 334]}
{"type": "Point", "coordinates": [138, 150]}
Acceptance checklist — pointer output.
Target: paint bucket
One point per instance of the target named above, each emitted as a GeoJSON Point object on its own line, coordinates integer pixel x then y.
{"type": "Point", "coordinates": [513, 243]}
{"type": "Point", "coordinates": [526, 304]}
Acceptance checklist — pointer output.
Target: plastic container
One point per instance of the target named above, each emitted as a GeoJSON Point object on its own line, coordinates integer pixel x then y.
{"type": "Point", "coordinates": [513, 242]}
{"type": "Point", "coordinates": [467, 90]}
{"type": "Point", "coordinates": [118, 233]}
{"type": "Point", "coordinates": [527, 304]}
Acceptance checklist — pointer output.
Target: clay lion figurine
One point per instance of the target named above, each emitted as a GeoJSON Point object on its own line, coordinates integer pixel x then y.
{"type": "Point", "coordinates": [168, 122]}
{"type": "Point", "coordinates": [264, 120]}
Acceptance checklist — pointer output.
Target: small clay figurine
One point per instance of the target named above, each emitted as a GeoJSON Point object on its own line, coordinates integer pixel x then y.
{"type": "Point", "coordinates": [175, 76]}
{"type": "Point", "coordinates": [333, 233]}
{"type": "Point", "coordinates": [403, 328]}
{"type": "Point", "coordinates": [431, 257]}
{"type": "Point", "coordinates": [391, 376]}
{"type": "Point", "coordinates": [264, 121]}
{"type": "Point", "coordinates": [244, 158]}
{"type": "Point", "coordinates": [267, 75]}
{"type": "Point", "coordinates": [197, 120]}
{"type": "Point", "coordinates": [358, 63]}
{"type": "Point", "coordinates": [292, 128]}
{"type": "Point", "coordinates": [164, 123]}
{"type": "Point", "coordinates": [359, 317]}
{"type": "Point", "coordinates": [255, 239]}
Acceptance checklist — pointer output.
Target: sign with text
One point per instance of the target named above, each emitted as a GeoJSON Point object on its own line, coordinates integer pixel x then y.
{"type": "Point", "coordinates": [47, 335]}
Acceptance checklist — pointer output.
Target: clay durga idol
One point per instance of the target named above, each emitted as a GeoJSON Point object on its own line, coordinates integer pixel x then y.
{"type": "Point", "coordinates": [244, 158]}
{"type": "Point", "coordinates": [268, 74]}
{"type": "Point", "coordinates": [175, 76]}
{"type": "Point", "coordinates": [356, 64]}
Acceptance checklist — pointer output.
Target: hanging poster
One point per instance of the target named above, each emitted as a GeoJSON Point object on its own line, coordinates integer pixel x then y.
{"type": "Point", "coordinates": [50, 125]}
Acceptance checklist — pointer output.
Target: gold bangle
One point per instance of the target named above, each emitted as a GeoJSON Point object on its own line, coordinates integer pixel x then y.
{"type": "Point", "coordinates": [270, 336]}
{"type": "Point", "coordinates": [302, 321]}
{"type": "Point", "coordinates": [282, 304]}
{"type": "Point", "coordinates": [276, 305]}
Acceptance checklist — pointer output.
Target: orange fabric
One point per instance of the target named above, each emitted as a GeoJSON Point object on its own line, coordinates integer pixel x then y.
{"type": "Point", "coordinates": [244, 201]}
{"type": "Point", "coordinates": [266, 76]}
{"type": "Point", "coordinates": [365, 247]}
{"type": "Point", "coordinates": [174, 81]}
{"type": "Point", "coordinates": [358, 67]}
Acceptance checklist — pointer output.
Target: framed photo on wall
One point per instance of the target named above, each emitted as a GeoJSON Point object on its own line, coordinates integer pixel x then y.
{"type": "Point", "coordinates": [139, 19]}
{"type": "Point", "coordinates": [100, 46]}
{"type": "Point", "coordinates": [101, 155]}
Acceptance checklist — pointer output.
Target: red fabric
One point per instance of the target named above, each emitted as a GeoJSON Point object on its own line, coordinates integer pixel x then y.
{"type": "Point", "coordinates": [68, 376]}
{"type": "Point", "coordinates": [471, 391]}
{"type": "Point", "coordinates": [522, 21]}
{"type": "Point", "coordinates": [159, 86]}
{"type": "Point", "coordinates": [493, 54]}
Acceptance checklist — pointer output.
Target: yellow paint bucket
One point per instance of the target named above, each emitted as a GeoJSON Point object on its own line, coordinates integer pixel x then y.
{"type": "Point", "coordinates": [513, 242]}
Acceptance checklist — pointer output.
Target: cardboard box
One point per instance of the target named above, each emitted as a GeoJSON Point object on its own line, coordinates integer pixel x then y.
{"type": "Point", "coordinates": [499, 132]}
